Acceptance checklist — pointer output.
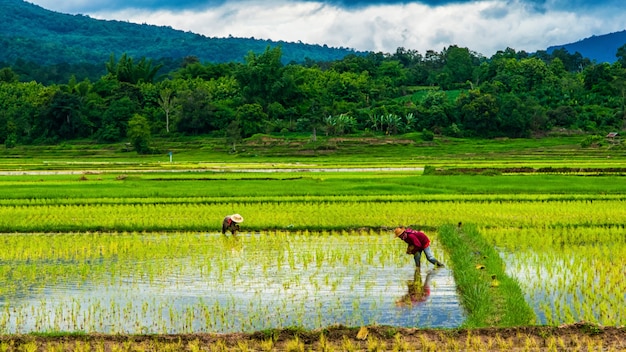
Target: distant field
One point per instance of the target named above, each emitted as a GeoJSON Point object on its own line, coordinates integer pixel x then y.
{"type": "Point", "coordinates": [300, 151]}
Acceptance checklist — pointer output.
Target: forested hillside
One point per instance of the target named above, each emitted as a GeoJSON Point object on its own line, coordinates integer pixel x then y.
{"type": "Point", "coordinates": [31, 36]}
{"type": "Point", "coordinates": [600, 48]}
{"type": "Point", "coordinates": [455, 92]}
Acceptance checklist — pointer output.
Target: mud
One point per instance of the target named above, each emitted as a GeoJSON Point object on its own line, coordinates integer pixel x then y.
{"type": "Point", "coordinates": [573, 337]}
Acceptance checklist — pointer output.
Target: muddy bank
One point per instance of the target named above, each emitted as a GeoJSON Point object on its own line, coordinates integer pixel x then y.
{"type": "Point", "coordinates": [574, 337]}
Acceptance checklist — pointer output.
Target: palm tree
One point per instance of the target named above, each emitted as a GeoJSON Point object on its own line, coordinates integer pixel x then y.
{"type": "Point", "coordinates": [125, 70]}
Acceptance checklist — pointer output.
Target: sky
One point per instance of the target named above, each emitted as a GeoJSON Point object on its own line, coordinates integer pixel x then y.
{"type": "Point", "coordinates": [483, 26]}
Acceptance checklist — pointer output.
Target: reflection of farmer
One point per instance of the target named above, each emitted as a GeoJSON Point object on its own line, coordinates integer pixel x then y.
{"type": "Point", "coordinates": [231, 223]}
{"type": "Point", "coordinates": [418, 242]}
{"type": "Point", "coordinates": [417, 293]}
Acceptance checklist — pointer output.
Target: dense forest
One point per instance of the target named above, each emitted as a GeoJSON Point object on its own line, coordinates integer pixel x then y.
{"type": "Point", "coordinates": [455, 92]}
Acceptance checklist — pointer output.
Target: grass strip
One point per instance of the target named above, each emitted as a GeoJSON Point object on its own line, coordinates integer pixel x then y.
{"type": "Point", "coordinates": [489, 295]}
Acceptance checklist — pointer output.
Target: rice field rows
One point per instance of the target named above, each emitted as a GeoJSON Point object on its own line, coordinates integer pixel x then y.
{"type": "Point", "coordinates": [156, 264]}
{"type": "Point", "coordinates": [311, 215]}
{"type": "Point", "coordinates": [140, 255]}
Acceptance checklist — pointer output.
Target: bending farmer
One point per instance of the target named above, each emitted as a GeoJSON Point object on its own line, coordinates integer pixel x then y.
{"type": "Point", "coordinates": [231, 223]}
{"type": "Point", "coordinates": [418, 242]}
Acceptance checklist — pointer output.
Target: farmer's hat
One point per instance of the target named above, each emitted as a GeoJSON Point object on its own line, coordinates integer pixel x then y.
{"type": "Point", "coordinates": [236, 218]}
{"type": "Point", "coordinates": [399, 230]}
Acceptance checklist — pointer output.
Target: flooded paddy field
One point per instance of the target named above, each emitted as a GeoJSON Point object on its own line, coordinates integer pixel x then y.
{"type": "Point", "coordinates": [188, 282]}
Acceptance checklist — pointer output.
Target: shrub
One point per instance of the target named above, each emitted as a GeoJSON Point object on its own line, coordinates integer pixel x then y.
{"type": "Point", "coordinates": [592, 141]}
{"type": "Point", "coordinates": [427, 135]}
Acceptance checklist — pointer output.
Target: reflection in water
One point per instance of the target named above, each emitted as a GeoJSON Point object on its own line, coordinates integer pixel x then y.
{"type": "Point", "coordinates": [417, 292]}
{"type": "Point", "coordinates": [430, 300]}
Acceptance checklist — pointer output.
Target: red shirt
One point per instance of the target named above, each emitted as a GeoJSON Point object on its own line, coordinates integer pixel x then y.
{"type": "Point", "coordinates": [417, 238]}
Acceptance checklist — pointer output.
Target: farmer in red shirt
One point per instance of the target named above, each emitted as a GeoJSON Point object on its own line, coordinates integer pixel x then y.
{"type": "Point", "coordinates": [231, 223]}
{"type": "Point", "coordinates": [418, 242]}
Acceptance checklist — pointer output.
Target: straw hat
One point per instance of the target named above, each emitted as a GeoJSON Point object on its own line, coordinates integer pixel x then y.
{"type": "Point", "coordinates": [399, 230]}
{"type": "Point", "coordinates": [236, 218]}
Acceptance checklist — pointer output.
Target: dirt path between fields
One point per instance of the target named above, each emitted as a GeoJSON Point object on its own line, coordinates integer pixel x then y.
{"type": "Point", "coordinates": [572, 337]}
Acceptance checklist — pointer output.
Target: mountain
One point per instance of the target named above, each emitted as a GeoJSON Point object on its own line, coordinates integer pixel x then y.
{"type": "Point", "coordinates": [601, 48]}
{"type": "Point", "coordinates": [31, 33]}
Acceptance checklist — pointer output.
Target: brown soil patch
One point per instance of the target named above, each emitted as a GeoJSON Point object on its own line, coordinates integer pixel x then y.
{"type": "Point", "coordinates": [574, 337]}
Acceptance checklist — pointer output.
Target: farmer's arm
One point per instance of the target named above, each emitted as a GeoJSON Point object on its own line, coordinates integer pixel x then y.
{"type": "Point", "coordinates": [225, 224]}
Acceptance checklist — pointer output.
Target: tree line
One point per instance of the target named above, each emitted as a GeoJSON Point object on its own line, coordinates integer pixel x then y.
{"type": "Point", "coordinates": [455, 92]}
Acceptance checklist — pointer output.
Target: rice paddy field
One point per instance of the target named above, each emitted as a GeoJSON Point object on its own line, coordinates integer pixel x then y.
{"type": "Point", "coordinates": [140, 253]}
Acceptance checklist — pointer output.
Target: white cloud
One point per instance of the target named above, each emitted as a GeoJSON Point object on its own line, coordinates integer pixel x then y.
{"type": "Point", "coordinates": [481, 26]}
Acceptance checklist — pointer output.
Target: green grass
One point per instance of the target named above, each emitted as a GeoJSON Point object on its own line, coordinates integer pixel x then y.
{"type": "Point", "coordinates": [244, 186]}
{"type": "Point", "coordinates": [475, 262]}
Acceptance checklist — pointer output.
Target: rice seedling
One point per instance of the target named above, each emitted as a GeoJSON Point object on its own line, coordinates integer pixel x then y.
{"type": "Point", "coordinates": [400, 344]}
{"type": "Point", "coordinates": [294, 345]}
{"type": "Point", "coordinates": [375, 344]}
{"type": "Point", "coordinates": [267, 345]}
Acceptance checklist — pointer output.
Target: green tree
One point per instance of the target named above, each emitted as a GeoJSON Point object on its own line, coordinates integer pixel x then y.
{"type": "Point", "coordinates": [115, 119]}
{"type": "Point", "coordinates": [195, 110]}
{"type": "Point", "coordinates": [459, 65]}
{"type": "Point", "coordinates": [479, 113]}
{"type": "Point", "coordinates": [392, 73]}
{"type": "Point", "coordinates": [7, 75]}
{"type": "Point", "coordinates": [205, 106]}
{"type": "Point", "coordinates": [535, 72]}
{"type": "Point", "coordinates": [139, 133]}
{"type": "Point", "coordinates": [412, 62]}
{"type": "Point", "coordinates": [571, 62]}
{"type": "Point", "coordinates": [557, 67]}
{"type": "Point", "coordinates": [621, 55]}
{"type": "Point", "coordinates": [260, 76]}
{"type": "Point", "coordinates": [357, 63]}
{"type": "Point", "coordinates": [251, 119]}
{"type": "Point", "coordinates": [619, 84]}
{"type": "Point", "coordinates": [563, 116]}
{"type": "Point", "coordinates": [506, 73]}
{"type": "Point", "coordinates": [434, 111]}
{"type": "Point", "coordinates": [21, 105]}
{"type": "Point", "coordinates": [313, 101]}
{"type": "Point", "coordinates": [597, 78]}
{"type": "Point", "coordinates": [514, 117]}
{"type": "Point", "coordinates": [206, 71]}
{"type": "Point", "coordinates": [126, 70]}
{"type": "Point", "coordinates": [63, 118]}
